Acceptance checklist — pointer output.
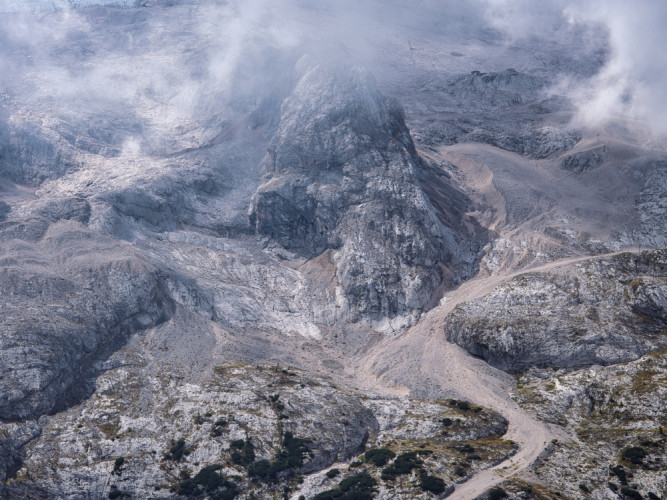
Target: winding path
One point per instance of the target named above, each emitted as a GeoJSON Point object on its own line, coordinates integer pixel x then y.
{"type": "Point", "coordinates": [422, 362]}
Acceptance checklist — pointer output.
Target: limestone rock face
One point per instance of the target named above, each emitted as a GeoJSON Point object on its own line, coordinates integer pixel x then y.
{"type": "Point", "coordinates": [343, 174]}
{"type": "Point", "coordinates": [539, 143]}
{"type": "Point", "coordinates": [494, 89]}
{"type": "Point", "coordinates": [61, 316]}
{"type": "Point", "coordinates": [217, 230]}
{"type": "Point", "coordinates": [582, 162]}
{"type": "Point", "coordinates": [611, 409]}
{"type": "Point", "coordinates": [259, 403]}
{"type": "Point", "coordinates": [605, 311]}
{"type": "Point", "coordinates": [56, 327]}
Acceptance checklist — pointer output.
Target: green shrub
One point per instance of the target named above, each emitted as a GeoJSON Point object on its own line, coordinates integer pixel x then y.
{"type": "Point", "coordinates": [379, 456]}
{"type": "Point", "coordinates": [209, 481]}
{"type": "Point", "coordinates": [497, 494]}
{"type": "Point", "coordinates": [261, 468]}
{"type": "Point", "coordinates": [463, 405]}
{"type": "Point", "coordinates": [447, 422]}
{"type": "Point", "coordinates": [360, 482]}
{"type": "Point", "coordinates": [653, 496]}
{"type": "Point", "coordinates": [460, 470]}
{"type": "Point", "coordinates": [176, 451]}
{"type": "Point", "coordinates": [332, 473]}
{"type": "Point", "coordinates": [431, 483]}
{"type": "Point", "coordinates": [295, 448]}
{"type": "Point", "coordinates": [466, 448]}
{"type": "Point", "coordinates": [117, 465]}
{"type": "Point", "coordinates": [635, 454]}
{"type": "Point", "coordinates": [630, 493]}
{"type": "Point", "coordinates": [246, 452]}
{"type": "Point", "coordinates": [403, 464]}
{"type": "Point", "coordinates": [115, 492]}
{"type": "Point", "coordinates": [357, 487]}
{"type": "Point", "coordinates": [354, 464]}
{"type": "Point", "coordinates": [290, 456]}
{"type": "Point", "coordinates": [620, 473]}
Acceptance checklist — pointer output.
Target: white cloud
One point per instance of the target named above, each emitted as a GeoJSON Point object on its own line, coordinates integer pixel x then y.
{"type": "Point", "coordinates": [633, 83]}
{"type": "Point", "coordinates": [233, 34]}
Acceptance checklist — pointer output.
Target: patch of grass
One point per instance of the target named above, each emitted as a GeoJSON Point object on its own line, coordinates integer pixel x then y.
{"type": "Point", "coordinates": [110, 429]}
{"type": "Point", "coordinates": [465, 448]}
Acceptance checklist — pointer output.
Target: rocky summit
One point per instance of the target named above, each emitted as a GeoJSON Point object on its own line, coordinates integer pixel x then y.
{"type": "Point", "coordinates": [255, 250]}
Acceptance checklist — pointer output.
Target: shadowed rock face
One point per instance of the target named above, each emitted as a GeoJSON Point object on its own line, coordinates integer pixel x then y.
{"type": "Point", "coordinates": [343, 174]}
{"type": "Point", "coordinates": [609, 311]}
{"type": "Point", "coordinates": [60, 320]}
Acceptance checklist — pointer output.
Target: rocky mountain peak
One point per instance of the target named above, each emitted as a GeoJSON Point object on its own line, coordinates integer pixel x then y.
{"type": "Point", "coordinates": [343, 175]}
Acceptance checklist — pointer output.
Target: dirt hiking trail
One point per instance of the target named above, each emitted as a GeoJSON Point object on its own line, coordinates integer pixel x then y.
{"type": "Point", "coordinates": [422, 363]}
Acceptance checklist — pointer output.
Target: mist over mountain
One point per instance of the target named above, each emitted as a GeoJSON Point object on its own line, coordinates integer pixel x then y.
{"type": "Point", "coordinates": [311, 249]}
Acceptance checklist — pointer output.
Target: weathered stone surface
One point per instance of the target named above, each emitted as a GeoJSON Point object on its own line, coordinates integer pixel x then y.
{"type": "Point", "coordinates": [60, 318]}
{"type": "Point", "coordinates": [343, 174]}
{"type": "Point", "coordinates": [605, 311]}
{"type": "Point", "coordinates": [582, 162]}
{"type": "Point", "coordinates": [609, 409]}
{"type": "Point", "coordinates": [78, 449]}
{"type": "Point", "coordinates": [494, 89]}
{"type": "Point", "coordinates": [544, 142]}
{"type": "Point", "coordinates": [246, 203]}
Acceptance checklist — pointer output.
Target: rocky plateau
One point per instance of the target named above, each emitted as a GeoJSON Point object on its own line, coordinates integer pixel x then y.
{"type": "Point", "coordinates": [317, 251]}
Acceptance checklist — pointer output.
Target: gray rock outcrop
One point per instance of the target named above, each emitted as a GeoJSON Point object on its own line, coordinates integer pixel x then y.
{"type": "Point", "coordinates": [59, 319]}
{"type": "Point", "coordinates": [583, 161]}
{"type": "Point", "coordinates": [538, 143]}
{"type": "Point", "coordinates": [343, 174]}
{"type": "Point", "coordinates": [494, 89]}
{"type": "Point", "coordinates": [607, 311]}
